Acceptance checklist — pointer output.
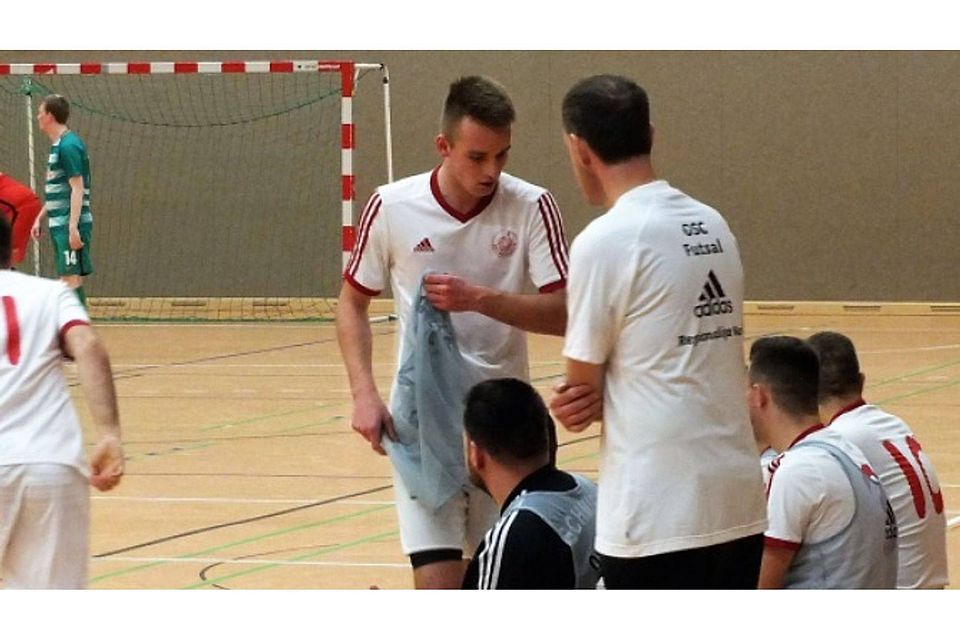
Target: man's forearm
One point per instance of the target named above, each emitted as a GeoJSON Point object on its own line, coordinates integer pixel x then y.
{"type": "Point", "coordinates": [76, 205]}
{"type": "Point", "coordinates": [356, 346]}
{"type": "Point", "coordinates": [96, 378]}
{"type": "Point", "coordinates": [538, 313]}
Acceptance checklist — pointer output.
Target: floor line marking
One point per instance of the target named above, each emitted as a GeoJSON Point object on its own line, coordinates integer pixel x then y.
{"type": "Point", "coordinates": [319, 563]}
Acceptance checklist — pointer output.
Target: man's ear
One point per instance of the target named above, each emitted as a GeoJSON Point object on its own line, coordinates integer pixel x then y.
{"type": "Point", "coordinates": [476, 455]}
{"type": "Point", "coordinates": [580, 151]}
{"type": "Point", "coordinates": [443, 145]}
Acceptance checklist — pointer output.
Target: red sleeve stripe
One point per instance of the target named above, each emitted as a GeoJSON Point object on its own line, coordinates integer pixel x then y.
{"type": "Point", "coordinates": [551, 221]}
{"type": "Point", "coordinates": [70, 325]}
{"type": "Point", "coordinates": [359, 287]}
{"type": "Point", "coordinates": [782, 544]}
{"type": "Point", "coordinates": [553, 286]}
{"type": "Point", "coordinates": [366, 220]}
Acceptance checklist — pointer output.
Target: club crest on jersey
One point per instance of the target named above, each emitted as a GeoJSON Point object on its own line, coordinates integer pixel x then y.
{"type": "Point", "coordinates": [504, 243]}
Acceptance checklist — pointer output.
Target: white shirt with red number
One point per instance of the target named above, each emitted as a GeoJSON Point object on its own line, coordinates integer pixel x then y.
{"type": "Point", "coordinates": [908, 477]}
{"type": "Point", "coordinates": [38, 423]}
{"type": "Point", "coordinates": [809, 496]}
{"type": "Point", "coordinates": [656, 295]}
{"type": "Point", "coordinates": [512, 240]}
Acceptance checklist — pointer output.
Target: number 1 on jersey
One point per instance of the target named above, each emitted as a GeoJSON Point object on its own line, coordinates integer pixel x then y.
{"type": "Point", "coordinates": [13, 329]}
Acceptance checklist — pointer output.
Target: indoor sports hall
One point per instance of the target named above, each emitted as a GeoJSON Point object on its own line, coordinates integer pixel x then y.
{"type": "Point", "coordinates": [227, 187]}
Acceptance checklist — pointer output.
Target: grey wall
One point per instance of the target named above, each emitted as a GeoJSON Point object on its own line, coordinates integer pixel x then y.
{"type": "Point", "coordinates": [837, 170]}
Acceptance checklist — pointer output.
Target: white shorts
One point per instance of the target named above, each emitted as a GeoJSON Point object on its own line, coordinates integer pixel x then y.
{"type": "Point", "coordinates": [44, 526]}
{"type": "Point", "coordinates": [459, 524]}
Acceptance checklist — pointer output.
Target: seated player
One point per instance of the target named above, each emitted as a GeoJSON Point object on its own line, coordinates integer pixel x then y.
{"type": "Point", "coordinates": [21, 206]}
{"type": "Point", "coordinates": [905, 471]}
{"type": "Point", "coordinates": [830, 523]}
{"type": "Point", "coordinates": [544, 537]}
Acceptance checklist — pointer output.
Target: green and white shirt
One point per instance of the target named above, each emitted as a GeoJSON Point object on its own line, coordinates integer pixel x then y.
{"type": "Point", "coordinates": [68, 158]}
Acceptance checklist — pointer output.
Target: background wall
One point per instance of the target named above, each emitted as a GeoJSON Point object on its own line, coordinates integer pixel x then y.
{"type": "Point", "coordinates": [838, 171]}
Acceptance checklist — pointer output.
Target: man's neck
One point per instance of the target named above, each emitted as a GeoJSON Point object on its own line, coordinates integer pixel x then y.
{"type": "Point", "coordinates": [830, 407]}
{"type": "Point", "coordinates": [789, 428]}
{"type": "Point", "coordinates": [619, 178]}
{"type": "Point", "coordinates": [502, 483]}
{"type": "Point", "coordinates": [57, 132]}
{"type": "Point", "coordinates": [454, 194]}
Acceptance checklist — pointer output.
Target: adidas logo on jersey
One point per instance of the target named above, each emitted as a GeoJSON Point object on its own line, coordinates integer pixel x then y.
{"type": "Point", "coordinates": [423, 246]}
{"type": "Point", "coordinates": [713, 301]}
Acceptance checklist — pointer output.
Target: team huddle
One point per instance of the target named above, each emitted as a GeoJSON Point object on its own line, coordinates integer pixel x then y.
{"type": "Point", "coordinates": [709, 478]}
{"type": "Point", "coordinates": [712, 475]}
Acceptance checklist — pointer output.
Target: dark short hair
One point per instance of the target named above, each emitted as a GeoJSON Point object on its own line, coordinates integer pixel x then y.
{"type": "Point", "coordinates": [508, 419]}
{"type": "Point", "coordinates": [58, 107]}
{"type": "Point", "coordinates": [789, 367]}
{"type": "Point", "coordinates": [612, 114]}
{"type": "Point", "coordinates": [480, 98]}
{"type": "Point", "coordinates": [6, 237]}
{"type": "Point", "coordinates": [839, 366]}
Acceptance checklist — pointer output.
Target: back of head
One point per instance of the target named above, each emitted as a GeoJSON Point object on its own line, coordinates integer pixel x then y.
{"type": "Point", "coordinates": [507, 418]}
{"type": "Point", "coordinates": [479, 98]}
{"type": "Point", "coordinates": [789, 368]}
{"type": "Point", "coordinates": [839, 366]}
{"type": "Point", "coordinates": [612, 114]}
{"type": "Point", "coordinates": [58, 107]}
{"type": "Point", "coordinates": [6, 239]}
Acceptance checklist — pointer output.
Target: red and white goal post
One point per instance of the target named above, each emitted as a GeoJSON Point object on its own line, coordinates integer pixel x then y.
{"type": "Point", "coordinates": [140, 107]}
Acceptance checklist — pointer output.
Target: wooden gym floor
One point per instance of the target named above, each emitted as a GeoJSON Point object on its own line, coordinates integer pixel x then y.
{"type": "Point", "coordinates": [243, 471]}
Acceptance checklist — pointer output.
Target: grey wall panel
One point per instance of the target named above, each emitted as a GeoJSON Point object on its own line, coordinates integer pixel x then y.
{"type": "Point", "coordinates": [837, 170]}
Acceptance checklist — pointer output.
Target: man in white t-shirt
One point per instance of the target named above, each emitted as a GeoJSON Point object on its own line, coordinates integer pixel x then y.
{"type": "Point", "coordinates": [654, 347]}
{"type": "Point", "coordinates": [44, 477]}
{"type": "Point", "coordinates": [831, 525]}
{"type": "Point", "coordinates": [484, 237]}
{"type": "Point", "coordinates": [894, 453]}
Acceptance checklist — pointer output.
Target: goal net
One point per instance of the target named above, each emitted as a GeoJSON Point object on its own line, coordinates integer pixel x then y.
{"type": "Point", "coordinates": [220, 190]}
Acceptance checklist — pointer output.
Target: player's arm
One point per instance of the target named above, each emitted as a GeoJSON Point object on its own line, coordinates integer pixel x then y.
{"type": "Point", "coordinates": [536, 312]}
{"type": "Point", "coordinates": [37, 229]}
{"type": "Point", "coordinates": [370, 414]}
{"type": "Point", "coordinates": [577, 402]}
{"type": "Point", "coordinates": [96, 378]}
{"type": "Point", "coordinates": [76, 206]}
{"type": "Point", "coordinates": [774, 566]}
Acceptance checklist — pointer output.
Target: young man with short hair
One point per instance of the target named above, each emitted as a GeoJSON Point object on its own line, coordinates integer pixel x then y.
{"type": "Point", "coordinates": [544, 537]}
{"type": "Point", "coordinates": [893, 450]}
{"type": "Point", "coordinates": [44, 477]}
{"type": "Point", "coordinates": [831, 525]}
{"type": "Point", "coordinates": [653, 348]}
{"type": "Point", "coordinates": [67, 196]}
{"type": "Point", "coordinates": [483, 237]}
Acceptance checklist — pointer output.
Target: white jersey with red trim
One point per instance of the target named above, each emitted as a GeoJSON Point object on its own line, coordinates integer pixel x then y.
{"type": "Point", "coordinates": [38, 423]}
{"type": "Point", "coordinates": [908, 477]}
{"type": "Point", "coordinates": [513, 239]}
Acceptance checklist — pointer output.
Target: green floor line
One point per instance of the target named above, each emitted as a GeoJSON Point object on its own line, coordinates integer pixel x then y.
{"type": "Point", "coordinates": [915, 373]}
{"type": "Point", "coordinates": [237, 543]}
{"type": "Point", "coordinates": [233, 423]}
{"type": "Point", "coordinates": [904, 396]}
{"type": "Point", "coordinates": [308, 556]}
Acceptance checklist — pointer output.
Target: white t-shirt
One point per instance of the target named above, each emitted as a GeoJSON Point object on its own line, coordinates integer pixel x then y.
{"type": "Point", "coordinates": [512, 240]}
{"type": "Point", "coordinates": [908, 477]}
{"type": "Point", "coordinates": [656, 294]}
{"type": "Point", "coordinates": [38, 423]}
{"type": "Point", "coordinates": [809, 496]}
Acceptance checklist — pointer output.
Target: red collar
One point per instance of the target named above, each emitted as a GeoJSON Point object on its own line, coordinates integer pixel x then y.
{"type": "Point", "coordinates": [850, 407]}
{"type": "Point", "coordinates": [449, 208]}
{"type": "Point", "coordinates": [806, 433]}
